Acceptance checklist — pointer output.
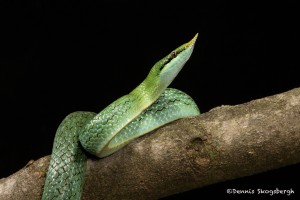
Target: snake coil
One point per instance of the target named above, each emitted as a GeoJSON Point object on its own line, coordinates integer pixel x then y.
{"type": "Point", "coordinates": [147, 107]}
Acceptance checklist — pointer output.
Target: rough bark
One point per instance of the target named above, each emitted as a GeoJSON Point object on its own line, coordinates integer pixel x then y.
{"type": "Point", "coordinates": [225, 143]}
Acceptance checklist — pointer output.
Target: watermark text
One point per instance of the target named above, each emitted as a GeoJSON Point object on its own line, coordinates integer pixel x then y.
{"type": "Point", "coordinates": [260, 191]}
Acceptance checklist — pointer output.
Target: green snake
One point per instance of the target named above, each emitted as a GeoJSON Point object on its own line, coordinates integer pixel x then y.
{"type": "Point", "coordinates": [149, 106]}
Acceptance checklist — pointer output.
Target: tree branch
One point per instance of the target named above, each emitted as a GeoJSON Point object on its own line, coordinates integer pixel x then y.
{"type": "Point", "coordinates": [225, 143]}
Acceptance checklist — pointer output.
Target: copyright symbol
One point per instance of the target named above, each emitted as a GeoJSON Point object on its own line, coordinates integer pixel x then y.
{"type": "Point", "coordinates": [229, 191]}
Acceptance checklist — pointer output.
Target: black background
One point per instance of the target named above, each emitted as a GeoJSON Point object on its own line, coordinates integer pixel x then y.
{"type": "Point", "coordinates": [65, 56]}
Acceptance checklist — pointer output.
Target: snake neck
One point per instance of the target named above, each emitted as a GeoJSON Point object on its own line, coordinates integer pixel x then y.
{"type": "Point", "coordinates": [148, 92]}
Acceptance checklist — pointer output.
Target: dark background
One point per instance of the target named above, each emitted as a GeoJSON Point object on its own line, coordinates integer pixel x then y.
{"type": "Point", "coordinates": [65, 56]}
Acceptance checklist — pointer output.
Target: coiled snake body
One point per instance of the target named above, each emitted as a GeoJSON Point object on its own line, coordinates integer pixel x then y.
{"type": "Point", "coordinates": [147, 107]}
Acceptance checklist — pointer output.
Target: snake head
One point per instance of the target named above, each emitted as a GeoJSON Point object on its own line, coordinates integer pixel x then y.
{"type": "Point", "coordinates": [170, 66]}
{"type": "Point", "coordinates": [164, 71]}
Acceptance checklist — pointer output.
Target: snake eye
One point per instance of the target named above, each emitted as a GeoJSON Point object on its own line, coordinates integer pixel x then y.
{"type": "Point", "coordinates": [170, 57]}
{"type": "Point", "coordinates": [173, 54]}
